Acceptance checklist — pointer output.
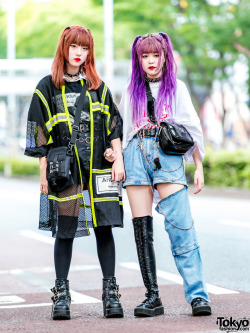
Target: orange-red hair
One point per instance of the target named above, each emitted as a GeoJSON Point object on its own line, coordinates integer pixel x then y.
{"type": "Point", "coordinates": [79, 35]}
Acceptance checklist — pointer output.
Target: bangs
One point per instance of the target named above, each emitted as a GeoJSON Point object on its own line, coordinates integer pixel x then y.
{"type": "Point", "coordinates": [78, 36]}
{"type": "Point", "coordinates": [149, 45]}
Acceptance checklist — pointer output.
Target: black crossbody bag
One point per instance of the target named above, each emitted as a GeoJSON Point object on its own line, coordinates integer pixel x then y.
{"type": "Point", "coordinates": [173, 139]}
{"type": "Point", "coordinates": [59, 159]}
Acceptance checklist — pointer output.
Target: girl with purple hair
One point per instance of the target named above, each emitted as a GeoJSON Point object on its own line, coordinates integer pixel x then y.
{"type": "Point", "coordinates": [148, 169]}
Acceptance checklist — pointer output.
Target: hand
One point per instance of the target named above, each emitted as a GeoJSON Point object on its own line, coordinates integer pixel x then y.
{"type": "Point", "coordinates": [43, 185]}
{"type": "Point", "coordinates": [198, 179]}
{"type": "Point", "coordinates": [118, 171]}
{"type": "Point", "coordinates": [110, 155]}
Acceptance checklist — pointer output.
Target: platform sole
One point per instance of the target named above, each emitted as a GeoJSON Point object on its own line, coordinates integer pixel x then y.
{"type": "Point", "coordinates": [143, 312]}
{"type": "Point", "coordinates": [113, 313]}
{"type": "Point", "coordinates": [202, 311]}
{"type": "Point", "coordinates": [60, 314]}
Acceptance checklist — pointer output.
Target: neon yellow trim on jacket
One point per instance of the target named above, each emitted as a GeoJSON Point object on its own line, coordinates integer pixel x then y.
{"type": "Point", "coordinates": [101, 171]}
{"type": "Point", "coordinates": [91, 159]}
{"type": "Point", "coordinates": [106, 199]}
{"type": "Point", "coordinates": [58, 118]}
{"type": "Point", "coordinates": [38, 92]}
{"type": "Point", "coordinates": [72, 197]}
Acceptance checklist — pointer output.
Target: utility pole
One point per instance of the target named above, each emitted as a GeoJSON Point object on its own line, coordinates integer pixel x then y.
{"type": "Point", "coordinates": [108, 20]}
{"type": "Point", "coordinates": [11, 55]}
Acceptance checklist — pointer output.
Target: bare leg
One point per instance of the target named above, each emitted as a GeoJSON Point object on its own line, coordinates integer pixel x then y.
{"type": "Point", "coordinates": [167, 189]}
{"type": "Point", "coordinates": [140, 199]}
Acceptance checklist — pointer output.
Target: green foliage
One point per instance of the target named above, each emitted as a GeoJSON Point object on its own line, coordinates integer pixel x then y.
{"type": "Point", "coordinates": [221, 168]}
{"type": "Point", "coordinates": [208, 38]}
{"type": "Point", "coordinates": [224, 168]}
{"type": "Point", "coordinates": [39, 25]}
{"type": "Point", "coordinates": [3, 41]}
{"type": "Point", "coordinates": [21, 167]}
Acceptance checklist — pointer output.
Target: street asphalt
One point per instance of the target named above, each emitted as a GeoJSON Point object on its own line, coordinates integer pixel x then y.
{"type": "Point", "coordinates": [26, 267]}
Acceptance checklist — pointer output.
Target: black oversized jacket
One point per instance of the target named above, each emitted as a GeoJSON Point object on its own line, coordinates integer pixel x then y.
{"type": "Point", "coordinates": [49, 126]}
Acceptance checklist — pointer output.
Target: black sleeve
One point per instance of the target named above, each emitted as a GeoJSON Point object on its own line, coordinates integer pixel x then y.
{"type": "Point", "coordinates": [115, 121]}
{"type": "Point", "coordinates": [38, 138]}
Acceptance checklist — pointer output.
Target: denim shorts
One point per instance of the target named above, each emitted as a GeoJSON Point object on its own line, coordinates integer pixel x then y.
{"type": "Point", "coordinates": [140, 168]}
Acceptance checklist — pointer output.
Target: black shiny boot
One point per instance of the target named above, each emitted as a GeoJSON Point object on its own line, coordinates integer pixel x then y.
{"type": "Point", "coordinates": [61, 300]}
{"type": "Point", "coordinates": [110, 297]}
{"type": "Point", "coordinates": [152, 305]}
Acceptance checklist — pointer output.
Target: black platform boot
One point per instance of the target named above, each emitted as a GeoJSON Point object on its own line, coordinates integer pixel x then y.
{"type": "Point", "coordinates": [110, 297]}
{"type": "Point", "coordinates": [61, 300]}
{"type": "Point", "coordinates": [152, 305]}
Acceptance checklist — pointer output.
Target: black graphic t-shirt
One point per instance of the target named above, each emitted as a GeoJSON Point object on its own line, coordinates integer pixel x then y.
{"type": "Point", "coordinates": [72, 95]}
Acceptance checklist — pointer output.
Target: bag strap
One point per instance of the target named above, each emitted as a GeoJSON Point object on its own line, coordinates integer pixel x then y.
{"type": "Point", "coordinates": [75, 126]}
{"type": "Point", "coordinates": [150, 104]}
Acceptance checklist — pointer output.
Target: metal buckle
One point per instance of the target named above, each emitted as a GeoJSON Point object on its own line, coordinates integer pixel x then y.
{"type": "Point", "coordinates": [75, 128]}
{"type": "Point", "coordinates": [70, 149]}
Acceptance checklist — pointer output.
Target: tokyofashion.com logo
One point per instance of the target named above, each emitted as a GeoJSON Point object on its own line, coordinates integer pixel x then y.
{"type": "Point", "coordinates": [233, 325]}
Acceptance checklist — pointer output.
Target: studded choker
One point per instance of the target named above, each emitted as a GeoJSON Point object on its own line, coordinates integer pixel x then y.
{"type": "Point", "coordinates": [157, 79]}
{"type": "Point", "coordinates": [73, 75]}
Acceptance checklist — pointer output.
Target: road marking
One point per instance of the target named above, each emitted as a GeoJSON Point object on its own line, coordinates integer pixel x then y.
{"type": "Point", "coordinates": [178, 279]}
{"type": "Point", "coordinates": [25, 306]}
{"type": "Point", "coordinates": [75, 268]}
{"type": "Point", "coordinates": [77, 298]}
{"type": "Point", "coordinates": [235, 223]}
{"type": "Point", "coordinates": [36, 236]}
{"type": "Point", "coordinates": [11, 299]}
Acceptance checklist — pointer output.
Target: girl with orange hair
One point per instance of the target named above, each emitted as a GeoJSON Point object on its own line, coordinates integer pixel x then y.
{"type": "Point", "coordinates": [94, 199]}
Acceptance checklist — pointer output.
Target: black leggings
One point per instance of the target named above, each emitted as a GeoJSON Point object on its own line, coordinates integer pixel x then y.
{"type": "Point", "coordinates": [105, 250]}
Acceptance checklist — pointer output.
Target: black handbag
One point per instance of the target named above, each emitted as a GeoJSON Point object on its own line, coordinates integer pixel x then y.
{"type": "Point", "coordinates": [59, 159]}
{"type": "Point", "coordinates": [173, 139]}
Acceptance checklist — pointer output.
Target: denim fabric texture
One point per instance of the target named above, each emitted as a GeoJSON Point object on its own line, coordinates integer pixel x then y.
{"type": "Point", "coordinates": [184, 244]}
{"type": "Point", "coordinates": [137, 167]}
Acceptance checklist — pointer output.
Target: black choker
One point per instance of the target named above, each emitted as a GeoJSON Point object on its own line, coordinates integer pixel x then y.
{"type": "Point", "coordinates": [73, 75]}
{"type": "Point", "coordinates": [157, 79]}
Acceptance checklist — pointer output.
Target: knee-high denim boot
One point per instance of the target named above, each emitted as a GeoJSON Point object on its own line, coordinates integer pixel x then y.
{"type": "Point", "coordinates": [184, 244]}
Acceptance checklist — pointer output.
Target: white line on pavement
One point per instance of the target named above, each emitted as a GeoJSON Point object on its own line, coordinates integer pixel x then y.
{"type": "Point", "coordinates": [11, 299]}
{"type": "Point", "coordinates": [77, 298]}
{"type": "Point", "coordinates": [177, 279]}
{"type": "Point", "coordinates": [235, 223]}
{"type": "Point", "coordinates": [75, 268]}
{"type": "Point", "coordinates": [36, 236]}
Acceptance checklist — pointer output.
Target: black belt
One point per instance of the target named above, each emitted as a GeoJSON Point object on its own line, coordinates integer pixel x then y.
{"type": "Point", "coordinates": [147, 132]}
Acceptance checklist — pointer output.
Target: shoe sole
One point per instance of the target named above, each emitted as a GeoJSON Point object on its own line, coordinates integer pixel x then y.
{"type": "Point", "coordinates": [61, 315]}
{"type": "Point", "coordinates": [113, 313]}
{"type": "Point", "coordinates": [202, 311]}
{"type": "Point", "coordinates": [141, 312]}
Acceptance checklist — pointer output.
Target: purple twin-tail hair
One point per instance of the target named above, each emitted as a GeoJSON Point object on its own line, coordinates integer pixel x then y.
{"type": "Point", "coordinates": [152, 43]}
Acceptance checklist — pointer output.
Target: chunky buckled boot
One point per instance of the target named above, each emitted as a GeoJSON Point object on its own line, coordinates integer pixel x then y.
{"type": "Point", "coordinates": [110, 296]}
{"type": "Point", "coordinates": [61, 300]}
{"type": "Point", "coordinates": [143, 230]}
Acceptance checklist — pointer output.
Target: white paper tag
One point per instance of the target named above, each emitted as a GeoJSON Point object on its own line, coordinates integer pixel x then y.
{"type": "Point", "coordinates": [104, 184]}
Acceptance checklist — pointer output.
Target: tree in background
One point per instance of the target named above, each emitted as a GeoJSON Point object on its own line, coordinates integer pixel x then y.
{"type": "Point", "coordinates": [209, 38]}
